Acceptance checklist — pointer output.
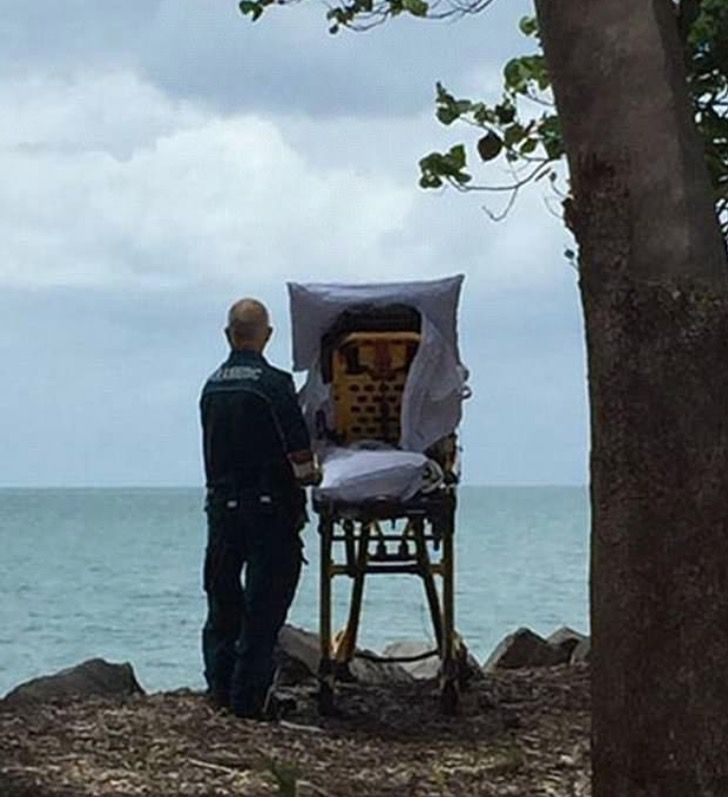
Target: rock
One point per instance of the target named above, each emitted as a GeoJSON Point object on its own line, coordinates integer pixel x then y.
{"type": "Point", "coordinates": [523, 648]}
{"type": "Point", "coordinates": [371, 672]}
{"type": "Point", "coordinates": [92, 678]}
{"type": "Point", "coordinates": [420, 670]}
{"type": "Point", "coordinates": [429, 667]}
{"type": "Point", "coordinates": [298, 654]}
{"type": "Point", "coordinates": [565, 640]}
{"type": "Point", "coordinates": [582, 652]}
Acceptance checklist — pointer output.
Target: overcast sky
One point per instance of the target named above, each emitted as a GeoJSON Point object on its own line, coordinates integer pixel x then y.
{"type": "Point", "coordinates": [161, 158]}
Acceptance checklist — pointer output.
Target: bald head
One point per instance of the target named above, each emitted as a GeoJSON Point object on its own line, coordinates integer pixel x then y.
{"type": "Point", "coordinates": [248, 325]}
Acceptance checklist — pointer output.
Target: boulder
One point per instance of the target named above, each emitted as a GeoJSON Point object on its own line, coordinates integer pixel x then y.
{"type": "Point", "coordinates": [298, 654]}
{"type": "Point", "coordinates": [92, 678]}
{"type": "Point", "coordinates": [564, 640]}
{"type": "Point", "coordinates": [406, 648]}
{"type": "Point", "coordinates": [429, 667]}
{"type": "Point", "coordinates": [582, 652]}
{"type": "Point", "coordinates": [523, 648]}
{"type": "Point", "coordinates": [366, 669]}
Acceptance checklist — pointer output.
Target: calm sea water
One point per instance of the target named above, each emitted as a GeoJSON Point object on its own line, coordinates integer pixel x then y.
{"type": "Point", "coordinates": [116, 573]}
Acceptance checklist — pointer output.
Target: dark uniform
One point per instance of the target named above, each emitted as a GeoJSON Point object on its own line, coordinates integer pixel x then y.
{"type": "Point", "coordinates": [251, 421]}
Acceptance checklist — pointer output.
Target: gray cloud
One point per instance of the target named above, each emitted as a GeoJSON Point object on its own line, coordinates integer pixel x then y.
{"type": "Point", "coordinates": [72, 33]}
{"type": "Point", "coordinates": [208, 53]}
{"type": "Point", "coordinates": [170, 194]}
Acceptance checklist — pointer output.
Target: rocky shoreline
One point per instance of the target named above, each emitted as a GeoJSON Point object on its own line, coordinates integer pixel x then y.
{"type": "Point", "coordinates": [522, 730]}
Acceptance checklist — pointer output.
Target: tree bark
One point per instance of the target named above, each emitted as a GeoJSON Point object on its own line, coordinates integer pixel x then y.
{"type": "Point", "coordinates": [653, 279]}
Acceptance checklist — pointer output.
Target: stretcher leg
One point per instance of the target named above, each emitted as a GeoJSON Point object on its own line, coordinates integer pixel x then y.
{"type": "Point", "coordinates": [428, 581]}
{"type": "Point", "coordinates": [449, 675]}
{"type": "Point", "coordinates": [326, 664]}
{"type": "Point", "coordinates": [347, 644]}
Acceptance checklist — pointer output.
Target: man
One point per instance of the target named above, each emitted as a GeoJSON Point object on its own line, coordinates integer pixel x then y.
{"type": "Point", "coordinates": [257, 455]}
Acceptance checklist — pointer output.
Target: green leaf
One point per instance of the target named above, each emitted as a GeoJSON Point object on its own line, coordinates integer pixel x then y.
{"type": "Point", "coordinates": [458, 157]}
{"type": "Point", "coordinates": [490, 146]}
{"type": "Point", "coordinates": [430, 181]}
{"type": "Point", "coordinates": [528, 26]}
{"type": "Point", "coordinates": [543, 80]}
{"type": "Point", "coordinates": [251, 8]}
{"type": "Point", "coordinates": [436, 167]}
{"type": "Point", "coordinates": [549, 129]}
{"type": "Point", "coordinates": [528, 69]}
{"type": "Point", "coordinates": [514, 134]}
{"type": "Point", "coordinates": [448, 108]}
{"type": "Point", "coordinates": [506, 112]}
{"type": "Point", "coordinates": [442, 94]}
{"type": "Point", "coordinates": [417, 8]}
{"type": "Point", "coordinates": [512, 73]}
{"type": "Point", "coordinates": [554, 149]}
{"type": "Point", "coordinates": [447, 114]}
{"type": "Point", "coordinates": [482, 114]}
{"type": "Point", "coordinates": [550, 125]}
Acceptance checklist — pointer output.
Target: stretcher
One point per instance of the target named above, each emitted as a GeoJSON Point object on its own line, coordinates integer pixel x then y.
{"type": "Point", "coordinates": [383, 400]}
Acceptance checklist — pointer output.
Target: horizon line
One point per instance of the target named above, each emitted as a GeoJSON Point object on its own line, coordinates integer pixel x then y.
{"type": "Point", "coordinates": [127, 486]}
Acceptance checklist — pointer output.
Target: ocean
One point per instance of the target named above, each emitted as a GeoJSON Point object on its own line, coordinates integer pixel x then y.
{"type": "Point", "coordinates": [116, 573]}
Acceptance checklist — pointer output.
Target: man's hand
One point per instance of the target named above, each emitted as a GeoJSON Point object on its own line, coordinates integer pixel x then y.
{"type": "Point", "coordinates": [305, 468]}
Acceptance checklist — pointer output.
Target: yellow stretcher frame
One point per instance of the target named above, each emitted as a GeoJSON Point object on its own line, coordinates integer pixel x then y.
{"type": "Point", "coordinates": [368, 374]}
{"type": "Point", "coordinates": [423, 546]}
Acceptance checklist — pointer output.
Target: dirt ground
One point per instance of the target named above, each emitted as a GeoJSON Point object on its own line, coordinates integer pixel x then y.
{"type": "Point", "coordinates": [520, 733]}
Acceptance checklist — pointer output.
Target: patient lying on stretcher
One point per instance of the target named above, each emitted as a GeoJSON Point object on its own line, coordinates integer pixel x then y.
{"type": "Point", "coordinates": [359, 432]}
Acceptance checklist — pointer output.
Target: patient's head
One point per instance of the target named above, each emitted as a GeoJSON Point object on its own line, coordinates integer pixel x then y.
{"type": "Point", "coordinates": [248, 326]}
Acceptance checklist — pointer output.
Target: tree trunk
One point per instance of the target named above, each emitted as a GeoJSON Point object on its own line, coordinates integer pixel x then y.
{"type": "Point", "coordinates": [654, 287]}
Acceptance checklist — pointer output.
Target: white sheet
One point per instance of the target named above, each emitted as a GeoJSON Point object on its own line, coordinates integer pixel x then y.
{"type": "Point", "coordinates": [432, 398]}
{"type": "Point", "coordinates": [353, 475]}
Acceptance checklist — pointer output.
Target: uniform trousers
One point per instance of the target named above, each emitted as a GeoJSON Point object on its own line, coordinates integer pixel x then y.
{"type": "Point", "coordinates": [252, 567]}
